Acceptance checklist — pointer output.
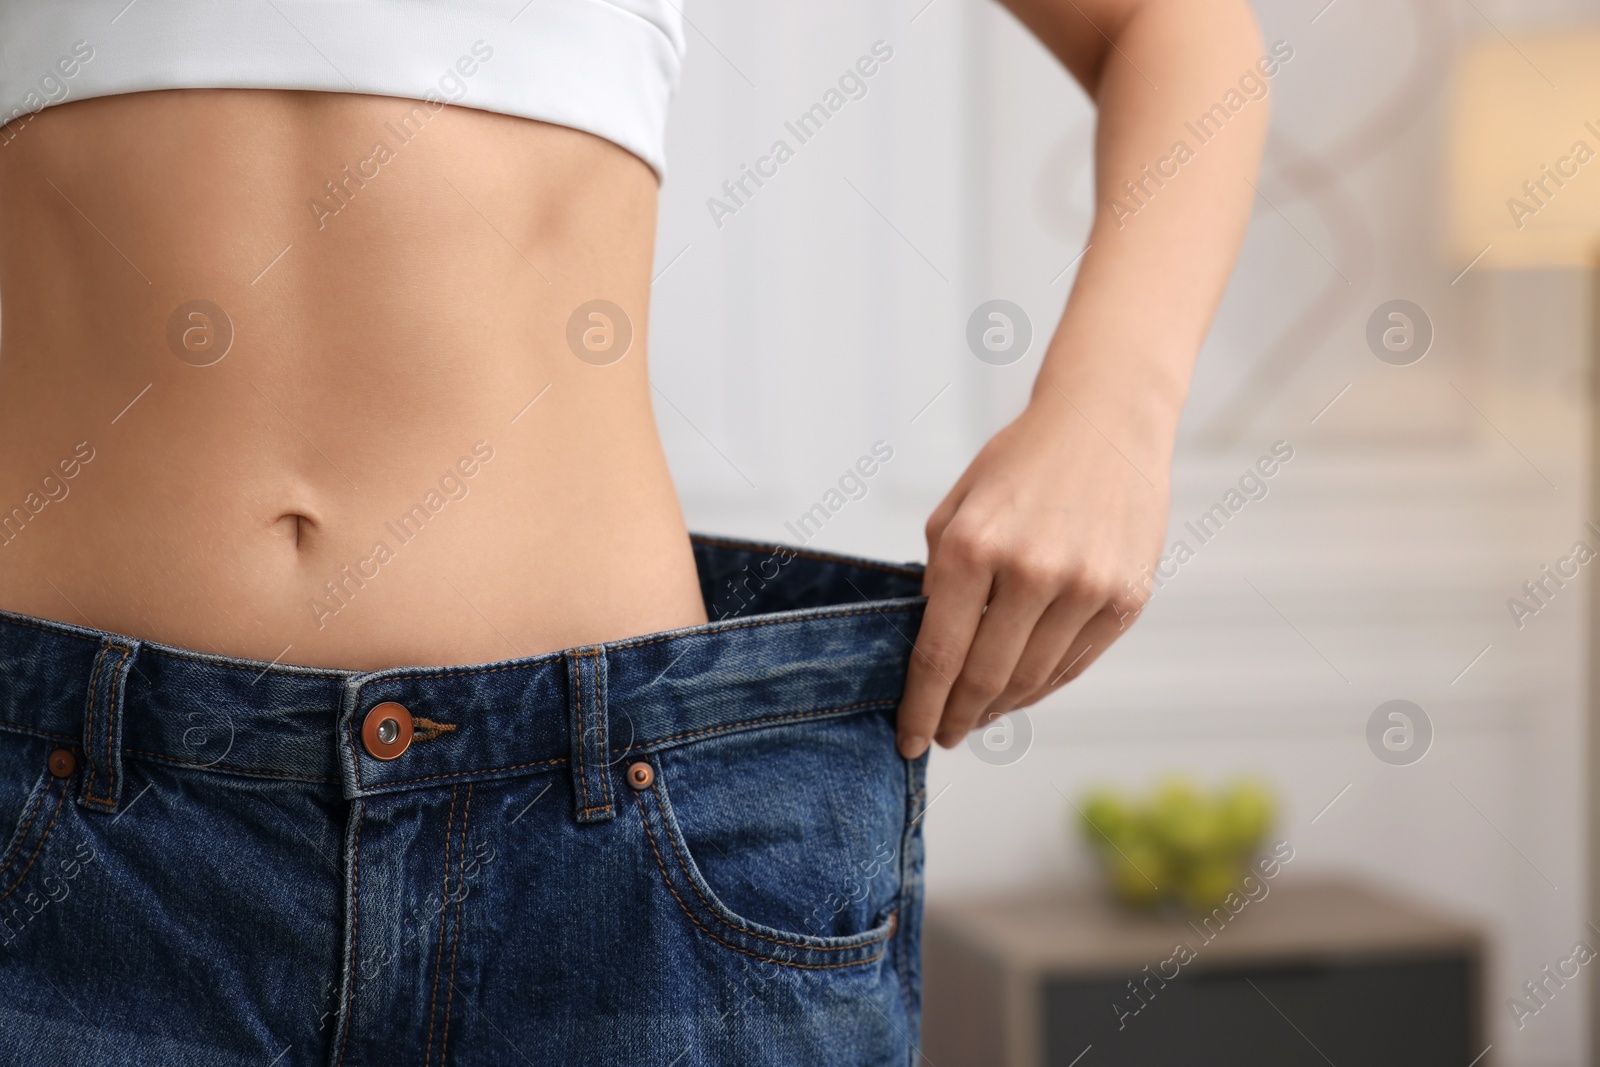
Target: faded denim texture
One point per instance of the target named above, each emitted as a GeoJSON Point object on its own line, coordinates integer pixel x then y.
{"type": "Point", "coordinates": [227, 876]}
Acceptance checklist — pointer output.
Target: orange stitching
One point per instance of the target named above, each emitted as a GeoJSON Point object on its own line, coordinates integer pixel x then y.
{"type": "Point", "coordinates": [553, 658]}
{"type": "Point", "coordinates": [427, 729]}
{"type": "Point", "coordinates": [536, 763]}
{"type": "Point", "coordinates": [893, 918]}
{"type": "Point", "coordinates": [22, 621]}
{"type": "Point", "coordinates": [766, 719]}
{"type": "Point", "coordinates": [160, 756]}
{"type": "Point", "coordinates": [733, 926]}
{"type": "Point", "coordinates": [32, 813]}
{"type": "Point", "coordinates": [69, 738]}
{"type": "Point", "coordinates": [355, 928]}
{"type": "Point", "coordinates": [168, 650]}
{"type": "Point", "coordinates": [520, 666]}
{"type": "Point", "coordinates": [461, 876]}
{"type": "Point", "coordinates": [155, 649]}
{"type": "Point", "coordinates": [258, 666]}
{"type": "Point", "coordinates": [39, 847]}
{"type": "Point", "coordinates": [111, 729]}
{"type": "Point", "coordinates": [459, 774]}
{"type": "Point", "coordinates": [91, 782]}
{"type": "Point", "coordinates": [433, 1001]}
{"type": "Point", "coordinates": [749, 623]}
{"type": "Point", "coordinates": [88, 739]}
{"type": "Point", "coordinates": [636, 747]}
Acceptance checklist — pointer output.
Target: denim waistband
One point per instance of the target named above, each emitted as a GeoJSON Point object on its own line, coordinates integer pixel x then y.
{"type": "Point", "coordinates": [796, 634]}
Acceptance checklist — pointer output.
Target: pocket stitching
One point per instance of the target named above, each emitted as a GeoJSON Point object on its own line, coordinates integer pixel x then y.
{"type": "Point", "coordinates": [916, 795]}
{"type": "Point", "coordinates": [438, 955]}
{"type": "Point", "coordinates": [721, 911]}
{"type": "Point", "coordinates": [30, 811]}
{"type": "Point", "coordinates": [38, 848]}
{"type": "Point", "coordinates": [770, 720]}
{"type": "Point", "coordinates": [660, 862]}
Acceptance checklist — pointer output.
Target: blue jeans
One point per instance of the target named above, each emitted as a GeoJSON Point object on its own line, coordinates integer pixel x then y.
{"type": "Point", "coordinates": [697, 847]}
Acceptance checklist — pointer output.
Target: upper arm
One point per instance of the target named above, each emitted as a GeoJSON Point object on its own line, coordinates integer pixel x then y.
{"type": "Point", "coordinates": [1078, 32]}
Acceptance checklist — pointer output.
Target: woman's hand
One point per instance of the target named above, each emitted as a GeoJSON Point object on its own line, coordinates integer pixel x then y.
{"type": "Point", "coordinates": [1037, 561]}
{"type": "Point", "coordinates": [1037, 558]}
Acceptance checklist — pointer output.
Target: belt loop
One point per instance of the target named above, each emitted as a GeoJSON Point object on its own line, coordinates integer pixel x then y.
{"type": "Point", "coordinates": [101, 785]}
{"type": "Point", "coordinates": [586, 701]}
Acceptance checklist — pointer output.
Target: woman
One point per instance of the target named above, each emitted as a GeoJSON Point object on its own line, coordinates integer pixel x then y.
{"type": "Point", "coordinates": [358, 697]}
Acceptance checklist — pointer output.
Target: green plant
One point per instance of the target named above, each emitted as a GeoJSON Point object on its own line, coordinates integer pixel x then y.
{"type": "Point", "coordinates": [1180, 844]}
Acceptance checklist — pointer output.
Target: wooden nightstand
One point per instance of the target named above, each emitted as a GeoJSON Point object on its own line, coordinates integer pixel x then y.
{"type": "Point", "coordinates": [1314, 972]}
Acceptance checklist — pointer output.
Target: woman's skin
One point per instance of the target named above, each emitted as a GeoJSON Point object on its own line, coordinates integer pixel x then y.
{"type": "Point", "coordinates": [1037, 557]}
{"type": "Point", "coordinates": [389, 339]}
{"type": "Point", "coordinates": [382, 351]}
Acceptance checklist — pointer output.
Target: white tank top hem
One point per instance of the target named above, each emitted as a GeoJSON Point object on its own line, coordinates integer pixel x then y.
{"type": "Point", "coordinates": [608, 67]}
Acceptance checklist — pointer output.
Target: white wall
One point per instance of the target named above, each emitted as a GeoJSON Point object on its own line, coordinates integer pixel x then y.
{"type": "Point", "coordinates": [828, 312]}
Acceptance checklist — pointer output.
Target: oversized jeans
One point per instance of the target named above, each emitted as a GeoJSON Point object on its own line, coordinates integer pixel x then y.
{"type": "Point", "coordinates": [697, 847]}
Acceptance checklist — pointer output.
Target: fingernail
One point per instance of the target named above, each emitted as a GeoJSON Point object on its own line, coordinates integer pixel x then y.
{"type": "Point", "coordinates": [913, 745]}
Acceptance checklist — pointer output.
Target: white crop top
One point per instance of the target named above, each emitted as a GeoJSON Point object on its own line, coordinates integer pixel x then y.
{"type": "Point", "coordinates": [608, 67]}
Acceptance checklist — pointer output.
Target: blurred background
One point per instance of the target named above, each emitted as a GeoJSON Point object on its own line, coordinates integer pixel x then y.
{"type": "Point", "coordinates": [829, 311]}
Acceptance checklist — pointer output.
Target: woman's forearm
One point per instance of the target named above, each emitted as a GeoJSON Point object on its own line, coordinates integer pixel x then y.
{"type": "Point", "coordinates": [1035, 555]}
{"type": "Point", "coordinates": [1182, 92]}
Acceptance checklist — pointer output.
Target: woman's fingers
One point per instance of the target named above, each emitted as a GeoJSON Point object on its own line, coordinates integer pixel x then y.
{"type": "Point", "coordinates": [1052, 637]}
{"type": "Point", "coordinates": [958, 587]}
{"type": "Point", "coordinates": [1002, 630]}
{"type": "Point", "coordinates": [999, 621]}
{"type": "Point", "coordinates": [1003, 633]}
{"type": "Point", "coordinates": [1097, 635]}
{"type": "Point", "coordinates": [1029, 561]}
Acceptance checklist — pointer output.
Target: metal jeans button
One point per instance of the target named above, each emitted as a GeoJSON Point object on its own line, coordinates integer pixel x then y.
{"type": "Point", "coordinates": [386, 731]}
{"type": "Point", "coordinates": [640, 775]}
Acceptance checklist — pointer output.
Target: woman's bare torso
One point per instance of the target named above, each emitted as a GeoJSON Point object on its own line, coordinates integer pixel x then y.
{"type": "Point", "coordinates": [399, 459]}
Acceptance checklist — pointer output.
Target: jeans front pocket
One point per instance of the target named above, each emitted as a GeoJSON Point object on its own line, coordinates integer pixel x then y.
{"type": "Point", "coordinates": [34, 801]}
{"type": "Point", "coordinates": [784, 842]}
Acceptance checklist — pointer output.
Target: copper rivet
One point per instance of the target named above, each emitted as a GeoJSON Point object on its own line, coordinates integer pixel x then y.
{"type": "Point", "coordinates": [386, 731]}
{"type": "Point", "coordinates": [62, 763]}
{"type": "Point", "coordinates": [640, 775]}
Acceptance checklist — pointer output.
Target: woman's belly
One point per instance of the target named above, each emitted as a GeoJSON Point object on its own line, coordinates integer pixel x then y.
{"type": "Point", "coordinates": [290, 376]}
